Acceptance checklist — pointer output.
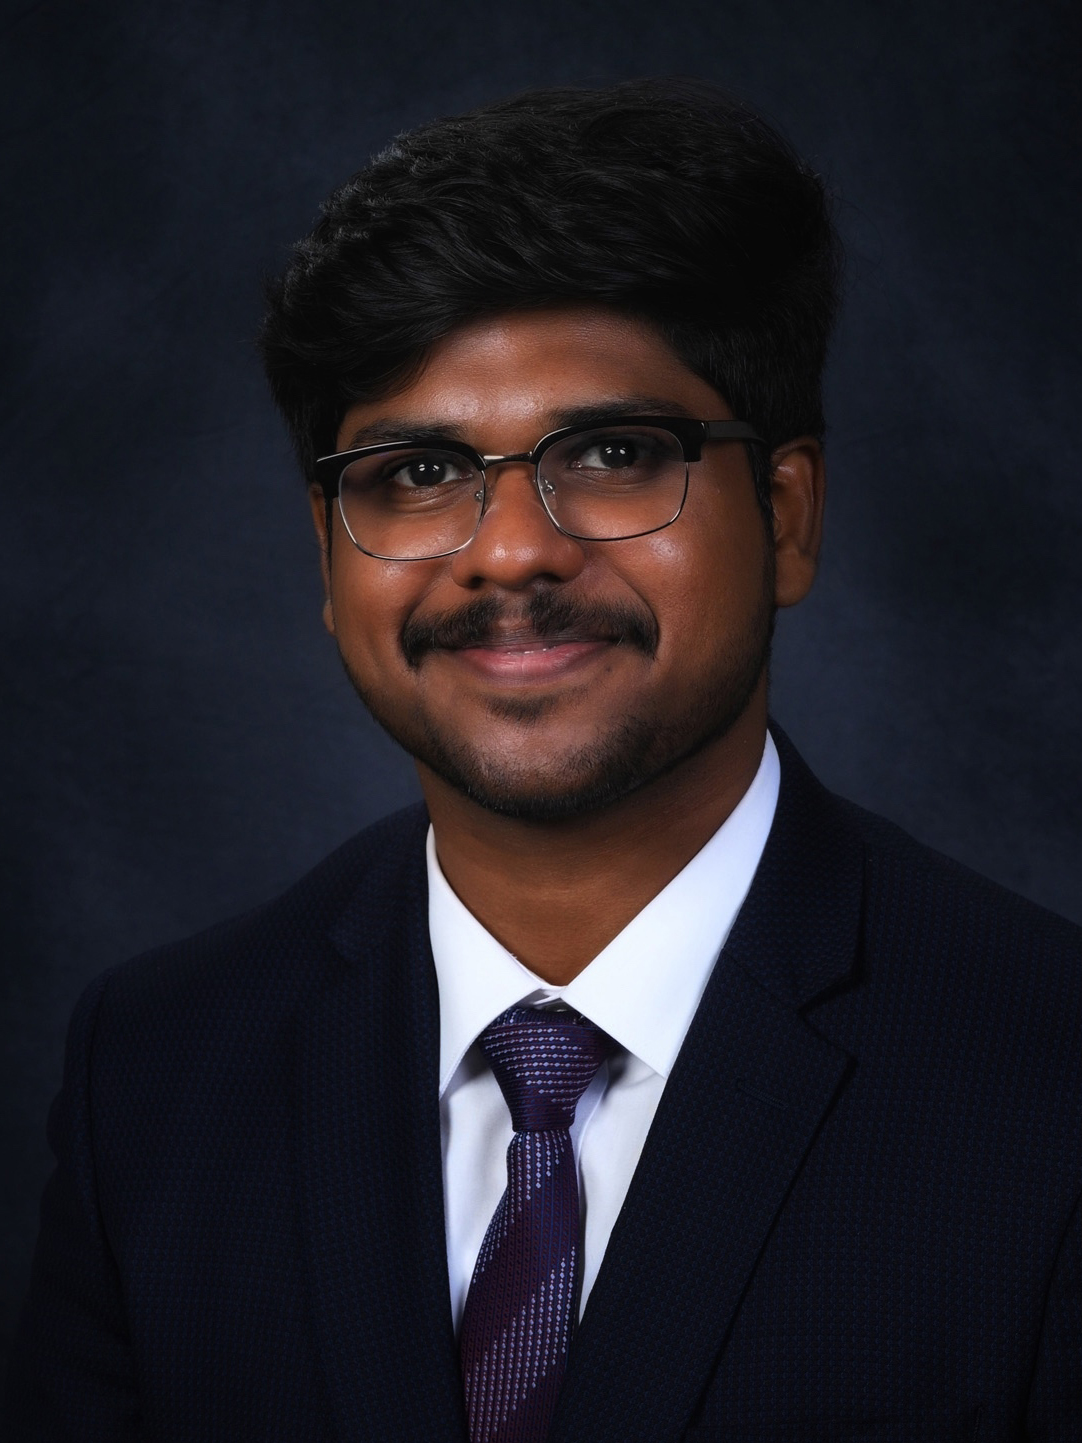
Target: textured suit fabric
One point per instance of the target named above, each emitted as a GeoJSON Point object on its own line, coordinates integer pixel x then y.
{"type": "Point", "coordinates": [856, 1214]}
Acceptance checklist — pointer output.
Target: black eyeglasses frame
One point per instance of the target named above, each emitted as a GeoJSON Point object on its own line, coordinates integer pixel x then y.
{"type": "Point", "coordinates": [690, 433]}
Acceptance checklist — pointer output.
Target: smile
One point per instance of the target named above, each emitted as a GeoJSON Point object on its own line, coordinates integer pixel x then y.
{"type": "Point", "coordinates": [531, 659]}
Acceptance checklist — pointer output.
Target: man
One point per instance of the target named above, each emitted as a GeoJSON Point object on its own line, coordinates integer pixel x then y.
{"type": "Point", "coordinates": [636, 1088]}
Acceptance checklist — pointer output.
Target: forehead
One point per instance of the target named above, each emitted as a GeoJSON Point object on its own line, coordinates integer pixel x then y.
{"type": "Point", "coordinates": [520, 371]}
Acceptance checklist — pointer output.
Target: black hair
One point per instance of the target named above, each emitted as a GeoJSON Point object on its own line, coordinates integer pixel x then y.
{"type": "Point", "coordinates": [664, 199]}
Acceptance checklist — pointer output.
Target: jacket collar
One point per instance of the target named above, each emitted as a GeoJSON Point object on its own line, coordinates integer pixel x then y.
{"type": "Point", "coordinates": [798, 929]}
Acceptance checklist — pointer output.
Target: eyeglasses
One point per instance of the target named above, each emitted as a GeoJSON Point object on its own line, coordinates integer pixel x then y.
{"type": "Point", "coordinates": [611, 481]}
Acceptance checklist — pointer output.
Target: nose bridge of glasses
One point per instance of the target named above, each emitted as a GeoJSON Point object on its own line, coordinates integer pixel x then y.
{"type": "Point", "coordinates": [526, 459]}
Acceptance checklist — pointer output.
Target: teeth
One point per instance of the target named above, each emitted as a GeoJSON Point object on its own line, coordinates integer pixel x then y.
{"type": "Point", "coordinates": [522, 646]}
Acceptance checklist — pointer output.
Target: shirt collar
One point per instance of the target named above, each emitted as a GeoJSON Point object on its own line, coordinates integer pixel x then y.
{"type": "Point", "coordinates": [644, 987]}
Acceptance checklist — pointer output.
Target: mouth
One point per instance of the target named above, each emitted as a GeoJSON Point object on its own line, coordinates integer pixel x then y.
{"type": "Point", "coordinates": [520, 655]}
{"type": "Point", "coordinates": [553, 636]}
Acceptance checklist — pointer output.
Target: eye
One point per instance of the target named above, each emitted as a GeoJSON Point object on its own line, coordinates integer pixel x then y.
{"type": "Point", "coordinates": [426, 471]}
{"type": "Point", "coordinates": [611, 453]}
{"type": "Point", "coordinates": [631, 455]}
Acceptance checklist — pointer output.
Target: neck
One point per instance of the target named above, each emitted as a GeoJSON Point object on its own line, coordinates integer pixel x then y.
{"type": "Point", "coordinates": [555, 894]}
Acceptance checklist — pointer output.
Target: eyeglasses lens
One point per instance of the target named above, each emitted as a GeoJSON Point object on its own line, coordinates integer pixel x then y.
{"type": "Point", "coordinates": [409, 504]}
{"type": "Point", "coordinates": [614, 482]}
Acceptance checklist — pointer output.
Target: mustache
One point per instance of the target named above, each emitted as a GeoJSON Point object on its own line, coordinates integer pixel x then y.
{"type": "Point", "coordinates": [547, 614]}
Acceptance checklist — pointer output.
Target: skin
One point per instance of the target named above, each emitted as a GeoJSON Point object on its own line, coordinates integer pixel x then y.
{"type": "Point", "coordinates": [538, 722]}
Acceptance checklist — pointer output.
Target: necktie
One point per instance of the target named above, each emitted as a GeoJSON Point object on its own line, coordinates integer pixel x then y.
{"type": "Point", "coordinates": [524, 1294]}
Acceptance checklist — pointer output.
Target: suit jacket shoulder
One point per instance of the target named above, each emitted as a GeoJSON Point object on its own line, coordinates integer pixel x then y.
{"type": "Point", "coordinates": [970, 949]}
{"type": "Point", "coordinates": [273, 955]}
{"type": "Point", "coordinates": [199, 1144]}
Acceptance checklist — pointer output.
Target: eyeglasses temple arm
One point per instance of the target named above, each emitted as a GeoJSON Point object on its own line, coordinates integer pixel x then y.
{"type": "Point", "coordinates": [731, 431]}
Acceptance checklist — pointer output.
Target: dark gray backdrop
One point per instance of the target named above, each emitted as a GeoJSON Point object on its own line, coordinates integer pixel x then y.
{"type": "Point", "coordinates": [178, 742]}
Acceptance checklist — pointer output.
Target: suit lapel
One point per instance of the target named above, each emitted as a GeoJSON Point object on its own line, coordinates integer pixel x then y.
{"type": "Point", "coordinates": [369, 1165]}
{"type": "Point", "coordinates": [750, 1089]}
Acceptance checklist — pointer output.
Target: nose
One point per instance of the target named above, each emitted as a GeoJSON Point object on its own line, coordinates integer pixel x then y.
{"type": "Point", "coordinates": [516, 542]}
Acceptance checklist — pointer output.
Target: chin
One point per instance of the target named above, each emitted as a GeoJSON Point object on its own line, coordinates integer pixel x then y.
{"type": "Point", "coordinates": [583, 781]}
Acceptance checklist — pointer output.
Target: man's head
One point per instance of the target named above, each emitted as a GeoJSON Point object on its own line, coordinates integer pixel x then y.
{"type": "Point", "coordinates": [651, 248]}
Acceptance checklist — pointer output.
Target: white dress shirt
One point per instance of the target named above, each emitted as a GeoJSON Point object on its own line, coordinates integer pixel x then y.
{"type": "Point", "coordinates": [642, 990]}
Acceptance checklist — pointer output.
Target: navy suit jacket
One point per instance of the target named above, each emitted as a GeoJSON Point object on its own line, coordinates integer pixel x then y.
{"type": "Point", "coordinates": [856, 1215]}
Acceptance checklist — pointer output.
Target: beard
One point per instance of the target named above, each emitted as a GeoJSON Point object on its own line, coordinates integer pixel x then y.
{"type": "Point", "coordinates": [637, 749]}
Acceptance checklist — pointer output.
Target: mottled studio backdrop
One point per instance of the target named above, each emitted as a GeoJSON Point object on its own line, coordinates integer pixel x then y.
{"type": "Point", "coordinates": [178, 742]}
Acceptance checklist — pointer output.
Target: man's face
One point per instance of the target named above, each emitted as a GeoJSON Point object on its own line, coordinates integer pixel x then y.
{"type": "Point", "coordinates": [542, 675]}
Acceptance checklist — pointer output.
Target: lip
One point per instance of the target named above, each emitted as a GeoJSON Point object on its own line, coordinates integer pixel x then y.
{"type": "Point", "coordinates": [530, 659]}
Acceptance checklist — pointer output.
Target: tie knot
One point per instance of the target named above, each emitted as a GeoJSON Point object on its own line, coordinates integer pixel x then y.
{"type": "Point", "coordinates": [544, 1062]}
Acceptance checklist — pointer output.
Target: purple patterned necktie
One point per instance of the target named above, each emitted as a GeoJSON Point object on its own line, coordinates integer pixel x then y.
{"type": "Point", "coordinates": [524, 1295]}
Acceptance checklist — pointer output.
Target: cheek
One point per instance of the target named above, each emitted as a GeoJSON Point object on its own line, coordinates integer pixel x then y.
{"type": "Point", "coordinates": [710, 576]}
{"type": "Point", "coordinates": [706, 588]}
{"type": "Point", "coordinates": [371, 600]}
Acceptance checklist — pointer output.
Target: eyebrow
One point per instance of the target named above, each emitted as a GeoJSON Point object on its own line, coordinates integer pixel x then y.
{"type": "Point", "coordinates": [388, 430]}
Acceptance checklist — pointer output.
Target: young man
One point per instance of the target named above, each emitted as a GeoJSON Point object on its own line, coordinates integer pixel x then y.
{"type": "Point", "coordinates": [636, 1088]}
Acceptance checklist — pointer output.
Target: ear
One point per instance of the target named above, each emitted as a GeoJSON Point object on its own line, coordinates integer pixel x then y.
{"type": "Point", "coordinates": [797, 494]}
{"type": "Point", "coordinates": [321, 518]}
